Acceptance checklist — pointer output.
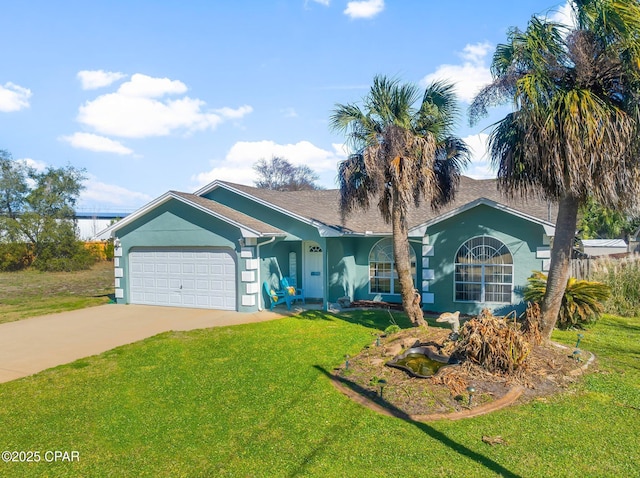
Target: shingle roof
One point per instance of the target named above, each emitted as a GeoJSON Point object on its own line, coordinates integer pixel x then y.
{"type": "Point", "coordinates": [231, 214]}
{"type": "Point", "coordinates": [323, 205]}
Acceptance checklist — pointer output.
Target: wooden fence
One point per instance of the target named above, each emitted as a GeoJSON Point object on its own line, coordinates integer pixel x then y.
{"type": "Point", "coordinates": [582, 269]}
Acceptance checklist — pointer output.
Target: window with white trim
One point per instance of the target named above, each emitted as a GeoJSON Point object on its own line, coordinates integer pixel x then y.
{"type": "Point", "coordinates": [383, 278]}
{"type": "Point", "coordinates": [483, 271]}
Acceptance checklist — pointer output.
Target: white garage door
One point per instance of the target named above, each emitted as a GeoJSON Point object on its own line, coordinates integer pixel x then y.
{"type": "Point", "coordinates": [183, 277]}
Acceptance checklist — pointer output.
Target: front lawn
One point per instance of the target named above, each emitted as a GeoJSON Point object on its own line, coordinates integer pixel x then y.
{"type": "Point", "coordinates": [30, 293]}
{"type": "Point", "coordinates": [255, 400]}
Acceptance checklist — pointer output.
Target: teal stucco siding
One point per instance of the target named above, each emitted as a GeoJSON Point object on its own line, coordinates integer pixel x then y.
{"type": "Point", "coordinates": [274, 265]}
{"type": "Point", "coordinates": [521, 236]}
{"type": "Point", "coordinates": [348, 265]}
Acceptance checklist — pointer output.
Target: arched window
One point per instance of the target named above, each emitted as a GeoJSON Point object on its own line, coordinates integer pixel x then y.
{"type": "Point", "coordinates": [483, 271]}
{"type": "Point", "coordinates": [383, 278]}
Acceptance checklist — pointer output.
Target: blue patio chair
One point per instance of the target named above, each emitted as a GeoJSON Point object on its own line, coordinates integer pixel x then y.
{"type": "Point", "coordinates": [276, 297]}
{"type": "Point", "coordinates": [295, 293]}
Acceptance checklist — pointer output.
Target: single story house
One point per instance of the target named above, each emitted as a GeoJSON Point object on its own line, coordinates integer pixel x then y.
{"type": "Point", "coordinates": [215, 249]}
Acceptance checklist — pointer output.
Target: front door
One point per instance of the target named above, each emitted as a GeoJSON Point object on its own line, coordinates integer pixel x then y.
{"type": "Point", "coordinates": [313, 280]}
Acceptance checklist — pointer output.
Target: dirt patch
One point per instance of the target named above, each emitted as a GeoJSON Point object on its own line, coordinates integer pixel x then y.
{"type": "Point", "coordinates": [548, 370]}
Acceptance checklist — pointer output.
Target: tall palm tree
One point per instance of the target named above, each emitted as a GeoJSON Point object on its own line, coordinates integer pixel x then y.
{"type": "Point", "coordinates": [573, 133]}
{"type": "Point", "coordinates": [404, 151]}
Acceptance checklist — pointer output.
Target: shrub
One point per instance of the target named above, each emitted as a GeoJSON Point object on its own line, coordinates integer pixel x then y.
{"type": "Point", "coordinates": [72, 256]}
{"type": "Point", "coordinates": [392, 329]}
{"type": "Point", "coordinates": [582, 302]}
{"type": "Point", "coordinates": [14, 256]}
{"type": "Point", "coordinates": [109, 249]}
{"type": "Point", "coordinates": [623, 278]}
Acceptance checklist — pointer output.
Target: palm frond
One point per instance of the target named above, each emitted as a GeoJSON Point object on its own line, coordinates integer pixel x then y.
{"type": "Point", "coordinates": [398, 145]}
{"type": "Point", "coordinates": [582, 302]}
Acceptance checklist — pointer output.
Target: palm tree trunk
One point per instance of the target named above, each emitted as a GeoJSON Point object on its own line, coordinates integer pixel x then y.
{"type": "Point", "coordinates": [560, 267]}
{"type": "Point", "coordinates": [401, 257]}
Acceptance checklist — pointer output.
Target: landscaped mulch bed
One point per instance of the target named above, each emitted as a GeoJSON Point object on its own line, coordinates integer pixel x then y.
{"type": "Point", "coordinates": [548, 370]}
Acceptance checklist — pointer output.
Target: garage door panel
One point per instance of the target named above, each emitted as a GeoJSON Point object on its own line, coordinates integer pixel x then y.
{"type": "Point", "coordinates": [188, 284]}
{"type": "Point", "coordinates": [162, 298]}
{"type": "Point", "coordinates": [203, 285]}
{"type": "Point", "coordinates": [179, 277]}
{"type": "Point", "coordinates": [149, 283]}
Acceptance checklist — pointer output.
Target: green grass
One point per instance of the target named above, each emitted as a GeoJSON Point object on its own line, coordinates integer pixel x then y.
{"type": "Point", "coordinates": [255, 400]}
{"type": "Point", "coordinates": [30, 293]}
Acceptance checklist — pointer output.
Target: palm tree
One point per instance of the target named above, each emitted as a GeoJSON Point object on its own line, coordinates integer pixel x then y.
{"type": "Point", "coordinates": [404, 152]}
{"type": "Point", "coordinates": [573, 133]}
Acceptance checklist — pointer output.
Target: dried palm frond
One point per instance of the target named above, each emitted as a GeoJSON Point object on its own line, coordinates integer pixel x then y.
{"type": "Point", "coordinates": [495, 344]}
{"type": "Point", "coordinates": [531, 324]}
{"type": "Point", "coordinates": [452, 379]}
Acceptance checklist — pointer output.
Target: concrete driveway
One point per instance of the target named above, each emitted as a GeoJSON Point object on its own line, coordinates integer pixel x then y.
{"type": "Point", "coordinates": [31, 345]}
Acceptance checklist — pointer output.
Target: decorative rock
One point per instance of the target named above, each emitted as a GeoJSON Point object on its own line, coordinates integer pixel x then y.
{"type": "Point", "coordinates": [344, 302]}
{"type": "Point", "coordinates": [392, 350]}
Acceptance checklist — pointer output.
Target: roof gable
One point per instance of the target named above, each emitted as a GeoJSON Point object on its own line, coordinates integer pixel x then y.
{"type": "Point", "coordinates": [249, 226]}
{"type": "Point", "coordinates": [419, 231]}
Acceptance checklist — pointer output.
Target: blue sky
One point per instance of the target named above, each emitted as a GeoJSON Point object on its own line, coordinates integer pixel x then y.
{"type": "Point", "coordinates": [149, 96]}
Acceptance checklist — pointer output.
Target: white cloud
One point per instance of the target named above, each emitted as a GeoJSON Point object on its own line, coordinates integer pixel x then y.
{"type": "Point", "coordinates": [39, 166]}
{"type": "Point", "coordinates": [138, 110]}
{"type": "Point", "coordinates": [469, 77]}
{"type": "Point", "coordinates": [93, 79]}
{"type": "Point", "coordinates": [564, 15]}
{"type": "Point", "coordinates": [237, 166]}
{"type": "Point", "coordinates": [364, 8]}
{"type": "Point", "coordinates": [94, 142]}
{"type": "Point", "coordinates": [234, 113]}
{"type": "Point", "coordinates": [13, 97]}
{"type": "Point", "coordinates": [148, 87]}
{"type": "Point", "coordinates": [97, 192]}
{"type": "Point", "coordinates": [480, 166]}
{"type": "Point", "coordinates": [323, 2]}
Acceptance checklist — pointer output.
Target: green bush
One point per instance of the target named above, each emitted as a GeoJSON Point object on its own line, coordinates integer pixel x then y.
{"type": "Point", "coordinates": [67, 257]}
{"type": "Point", "coordinates": [14, 256]}
{"type": "Point", "coordinates": [582, 302]}
{"type": "Point", "coordinates": [109, 250]}
{"type": "Point", "coordinates": [392, 329]}
{"type": "Point", "coordinates": [623, 278]}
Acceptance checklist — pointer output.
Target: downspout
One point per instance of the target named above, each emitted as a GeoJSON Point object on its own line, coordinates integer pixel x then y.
{"type": "Point", "coordinates": [258, 245]}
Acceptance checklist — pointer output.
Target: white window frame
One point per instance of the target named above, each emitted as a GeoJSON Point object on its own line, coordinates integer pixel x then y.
{"type": "Point", "coordinates": [491, 258]}
{"type": "Point", "coordinates": [382, 253]}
